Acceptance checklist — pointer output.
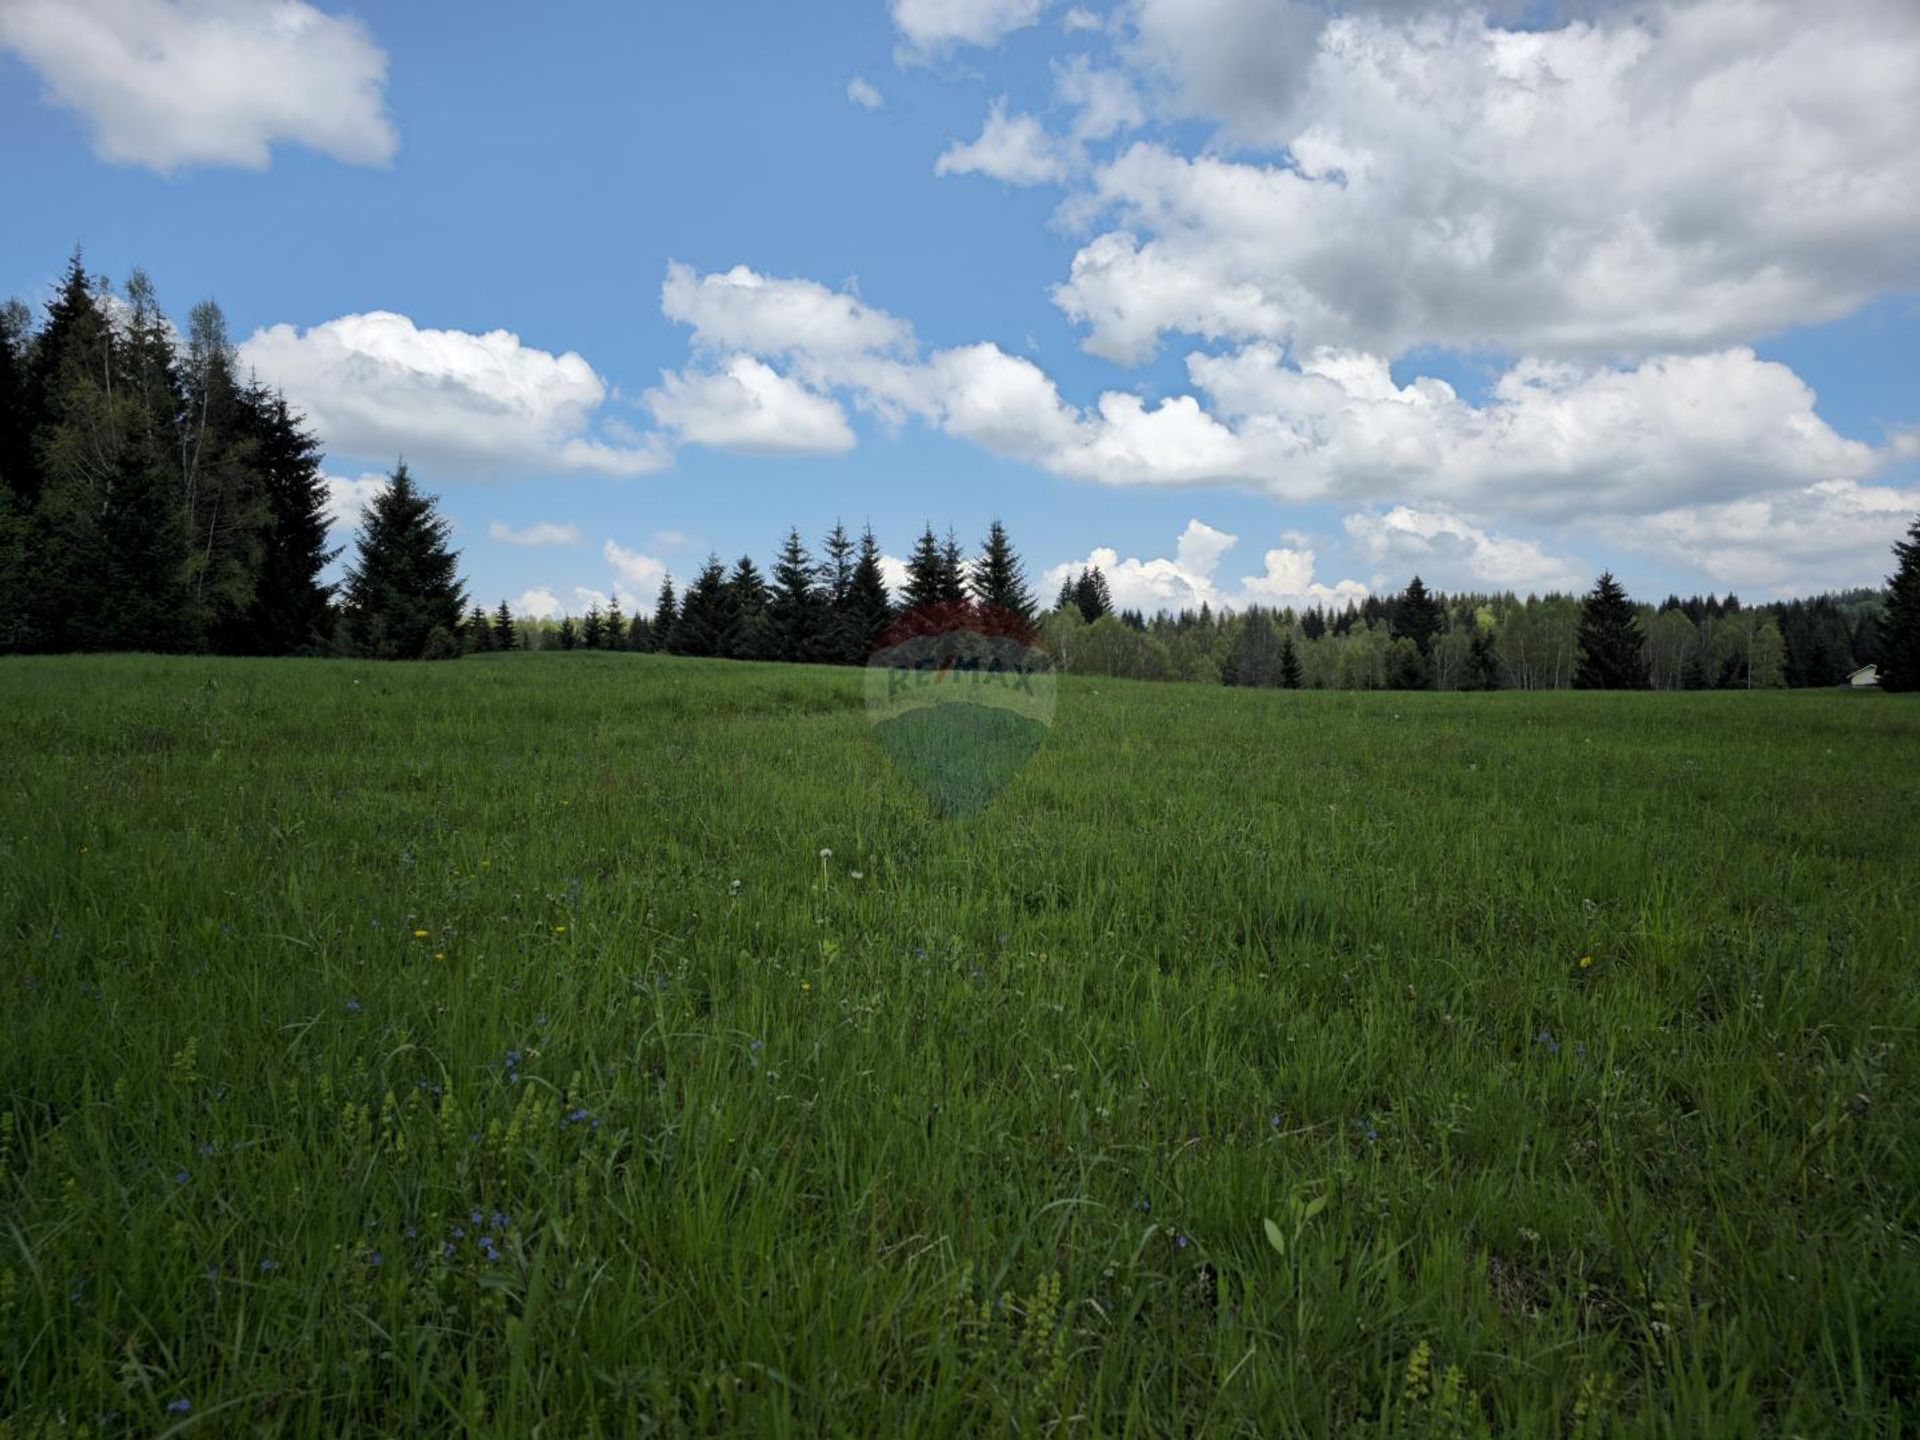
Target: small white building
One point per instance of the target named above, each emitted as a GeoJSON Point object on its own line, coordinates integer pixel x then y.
{"type": "Point", "coordinates": [1864, 677]}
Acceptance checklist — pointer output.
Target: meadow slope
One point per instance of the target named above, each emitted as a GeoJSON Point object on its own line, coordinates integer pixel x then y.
{"type": "Point", "coordinates": [494, 1048]}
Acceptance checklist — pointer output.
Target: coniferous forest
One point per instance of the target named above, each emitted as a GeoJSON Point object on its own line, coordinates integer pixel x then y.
{"type": "Point", "coordinates": [155, 499]}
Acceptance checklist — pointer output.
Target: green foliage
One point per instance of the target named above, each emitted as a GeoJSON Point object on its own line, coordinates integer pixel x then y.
{"type": "Point", "coordinates": [999, 579]}
{"type": "Point", "coordinates": [402, 584]}
{"type": "Point", "coordinates": [971, 1126]}
{"type": "Point", "coordinates": [1612, 656]}
{"type": "Point", "coordinates": [1899, 629]}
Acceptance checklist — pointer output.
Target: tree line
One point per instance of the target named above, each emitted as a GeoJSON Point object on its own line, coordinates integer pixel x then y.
{"type": "Point", "coordinates": [151, 498]}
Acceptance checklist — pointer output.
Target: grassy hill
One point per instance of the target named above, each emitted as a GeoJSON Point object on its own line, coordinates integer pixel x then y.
{"type": "Point", "coordinates": [626, 1043]}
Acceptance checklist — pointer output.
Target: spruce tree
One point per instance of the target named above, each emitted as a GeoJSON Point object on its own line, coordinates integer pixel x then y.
{"type": "Point", "coordinates": [506, 635]}
{"type": "Point", "coordinates": [1289, 665]}
{"type": "Point", "coordinates": [797, 608]}
{"type": "Point", "coordinates": [751, 635]}
{"type": "Point", "coordinates": [836, 570]}
{"type": "Point", "coordinates": [1091, 594]}
{"type": "Point", "coordinates": [1612, 656]}
{"type": "Point", "coordinates": [705, 623]}
{"type": "Point", "coordinates": [926, 573]}
{"type": "Point", "coordinates": [868, 610]}
{"type": "Point", "coordinates": [953, 571]}
{"type": "Point", "coordinates": [639, 635]}
{"type": "Point", "coordinates": [291, 609]}
{"type": "Point", "coordinates": [1900, 622]}
{"type": "Point", "coordinates": [1418, 616]}
{"type": "Point", "coordinates": [569, 633]}
{"type": "Point", "coordinates": [477, 635]}
{"type": "Point", "coordinates": [1069, 592]}
{"type": "Point", "coordinates": [614, 636]}
{"type": "Point", "coordinates": [1483, 662]}
{"type": "Point", "coordinates": [666, 611]}
{"type": "Point", "coordinates": [593, 630]}
{"type": "Point", "coordinates": [403, 584]}
{"type": "Point", "coordinates": [999, 580]}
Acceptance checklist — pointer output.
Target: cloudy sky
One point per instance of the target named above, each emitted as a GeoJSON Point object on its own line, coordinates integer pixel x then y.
{"type": "Point", "coordinates": [1247, 300]}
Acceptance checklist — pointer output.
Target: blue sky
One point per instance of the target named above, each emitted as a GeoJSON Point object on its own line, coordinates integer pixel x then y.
{"type": "Point", "coordinates": [1142, 277]}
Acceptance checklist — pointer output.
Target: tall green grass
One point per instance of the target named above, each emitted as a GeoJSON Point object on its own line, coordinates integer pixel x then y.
{"type": "Point", "coordinates": [496, 1048]}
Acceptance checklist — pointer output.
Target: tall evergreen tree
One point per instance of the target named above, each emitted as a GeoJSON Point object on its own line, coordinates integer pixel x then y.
{"type": "Point", "coordinates": [291, 604]}
{"type": "Point", "coordinates": [868, 610]}
{"type": "Point", "coordinates": [999, 579]}
{"type": "Point", "coordinates": [953, 571]}
{"type": "Point", "coordinates": [1612, 656]}
{"type": "Point", "coordinates": [926, 573]}
{"type": "Point", "coordinates": [1418, 616]}
{"type": "Point", "coordinates": [614, 636]}
{"type": "Point", "coordinates": [797, 608]}
{"type": "Point", "coordinates": [593, 629]}
{"type": "Point", "coordinates": [403, 596]}
{"type": "Point", "coordinates": [506, 635]}
{"type": "Point", "coordinates": [477, 635]}
{"type": "Point", "coordinates": [1483, 661]}
{"type": "Point", "coordinates": [1091, 594]}
{"type": "Point", "coordinates": [569, 633]}
{"type": "Point", "coordinates": [706, 621]}
{"type": "Point", "coordinates": [836, 569]}
{"type": "Point", "coordinates": [1069, 593]}
{"type": "Point", "coordinates": [639, 634]}
{"type": "Point", "coordinates": [751, 635]}
{"type": "Point", "coordinates": [666, 611]}
{"type": "Point", "coordinates": [1900, 621]}
{"type": "Point", "coordinates": [1289, 664]}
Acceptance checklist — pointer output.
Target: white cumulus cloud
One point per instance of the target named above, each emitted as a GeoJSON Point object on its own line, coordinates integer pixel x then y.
{"type": "Point", "coordinates": [376, 384]}
{"type": "Point", "coordinates": [1188, 579]}
{"type": "Point", "coordinates": [1680, 175]}
{"type": "Point", "coordinates": [930, 28]}
{"type": "Point", "coordinates": [749, 406]}
{"type": "Point", "coordinates": [165, 83]}
{"type": "Point", "coordinates": [1448, 552]}
{"type": "Point", "coordinates": [1013, 148]}
{"type": "Point", "coordinates": [864, 93]}
{"type": "Point", "coordinates": [541, 532]}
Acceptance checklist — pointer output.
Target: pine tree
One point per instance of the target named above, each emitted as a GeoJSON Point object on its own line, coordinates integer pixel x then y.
{"type": "Point", "coordinates": [1091, 594]}
{"type": "Point", "coordinates": [706, 622]}
{"type": "Point", "coordinates": [666, 611]}
{"type": "Point", "coordinates": [1289, 665]}
{"type": "Point", "coordinates": [291, 609]}
{"type": "Point", "coordinates": [926, 573]}
{"type": "Point", "coordinates": [1483, 661]}
{"type": "Point", "coordinates": [506, 635]}
{"type": "Point", "coordinates": [868, 610]}
{"type": "Point", "coordinates": [1900, 621]}
{"type": "Point", "coordinates": [1418, 615]}
{"type": "Point", "coordinates": [1611, 653]}
{"type": "Point", "coordinates": [836, 571]}
{"type": "Point", "coordinates": [639, 635]}
{"type": "Point", "coordinates": [593, 630]}
{"type": "Point", "coordinates": [953, 571]}
{"type": "Point", "coordinates": [1069, 592]}
{"type": "Point", "coordinates": [403, 584]}
{"type": "Point", "coordinates": [614, 636]}
{"type": "Point", "coordinates": [999, 580]}
{"type": "Point", "coordinates": [476, 636]}
{"type": "Point", "coordinates": [1313, 624]}
{"type": "Point", "coordinates": [797, 608]}
{"type": "Point", "coordinates": [569, 633]}
{"type": "Point", "coordinates": [751, 635]}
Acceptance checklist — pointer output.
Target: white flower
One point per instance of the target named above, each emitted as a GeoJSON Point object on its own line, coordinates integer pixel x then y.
{"type": "Point", "coordinates": [825, 854]}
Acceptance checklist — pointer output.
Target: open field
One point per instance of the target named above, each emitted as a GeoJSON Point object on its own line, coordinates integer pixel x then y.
{"type": "Point", "coordinates": [429, 1049]}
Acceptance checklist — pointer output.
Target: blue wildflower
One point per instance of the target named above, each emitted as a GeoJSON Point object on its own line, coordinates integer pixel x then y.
{"type": "Point", "coordinates": [181, 1177]}
{"type": "Point", "coordinates": [180, 1406]}
{"type": "Point", "coordinates": [268, 1265]}
{"type": "Point", "coordinates": [353, 1005]}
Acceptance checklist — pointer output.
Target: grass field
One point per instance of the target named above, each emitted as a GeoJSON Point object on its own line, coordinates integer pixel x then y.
{"type": "Point", "coordinates": [494, 1048]}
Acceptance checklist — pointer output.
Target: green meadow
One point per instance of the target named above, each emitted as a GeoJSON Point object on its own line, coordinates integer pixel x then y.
{"type": "Point", "coordinates": [598, 1044]}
